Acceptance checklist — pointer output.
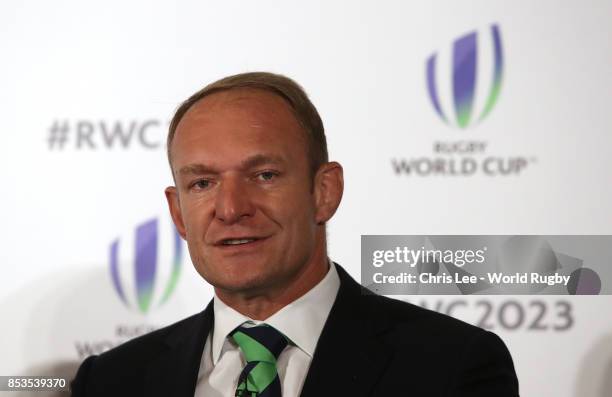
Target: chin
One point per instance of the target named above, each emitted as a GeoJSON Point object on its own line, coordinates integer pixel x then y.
{"type": "Point", "coordinates": [243, 286]}
{"type": "Point", "coordinates": [236, 278]}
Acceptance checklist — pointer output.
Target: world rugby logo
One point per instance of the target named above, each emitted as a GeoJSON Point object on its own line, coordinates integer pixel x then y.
{"type": "Point", "coordinates": [138, 279]}
{"type": "Point", "coordinates": [467, 95]}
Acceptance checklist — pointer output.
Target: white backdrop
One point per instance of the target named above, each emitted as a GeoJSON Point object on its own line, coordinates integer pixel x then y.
{"type": "Point", "coordinates": [72, 72]}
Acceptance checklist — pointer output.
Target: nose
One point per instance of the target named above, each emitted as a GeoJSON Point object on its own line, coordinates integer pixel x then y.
{"type": "Point", "coordinates": [233, 202]}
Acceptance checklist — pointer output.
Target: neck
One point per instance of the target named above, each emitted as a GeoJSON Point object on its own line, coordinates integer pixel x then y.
{"type": "Point", "coordinates": [260, 305]}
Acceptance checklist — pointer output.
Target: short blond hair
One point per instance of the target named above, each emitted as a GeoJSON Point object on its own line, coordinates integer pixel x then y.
{"type": "Point", "coordinates": [304, 111]}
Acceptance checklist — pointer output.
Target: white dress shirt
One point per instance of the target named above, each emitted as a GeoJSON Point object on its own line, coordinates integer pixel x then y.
{"type": "Point", "coordinates": [301, 321]}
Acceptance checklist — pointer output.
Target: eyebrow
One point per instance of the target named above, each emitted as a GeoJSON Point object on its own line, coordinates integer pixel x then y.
{"type": "Point", "coordinates": [250, 162]}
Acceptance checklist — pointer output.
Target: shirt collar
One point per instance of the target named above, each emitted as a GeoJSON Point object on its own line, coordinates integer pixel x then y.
{"type": "Point", "coordinates": [301, 321]}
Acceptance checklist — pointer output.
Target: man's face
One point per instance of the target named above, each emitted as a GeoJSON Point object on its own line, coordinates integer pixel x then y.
{"type": "Point", "coordinates": [243, 198]}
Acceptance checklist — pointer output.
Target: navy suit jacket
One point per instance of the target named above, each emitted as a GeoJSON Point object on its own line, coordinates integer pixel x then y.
{"type": "Point", "coordinates": [369, 346]}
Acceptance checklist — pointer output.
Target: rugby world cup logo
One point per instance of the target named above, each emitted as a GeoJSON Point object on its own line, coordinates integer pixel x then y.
{"type": "Point", "coordinates": [141, 282]}
{"type": "Point", "coordinates": [476, 63]}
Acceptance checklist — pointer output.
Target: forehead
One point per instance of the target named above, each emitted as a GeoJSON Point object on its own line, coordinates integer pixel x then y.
{"type": "Point", "coordinates": [230, 120]}
{"type": "Point", "coordinates": [240, 100]}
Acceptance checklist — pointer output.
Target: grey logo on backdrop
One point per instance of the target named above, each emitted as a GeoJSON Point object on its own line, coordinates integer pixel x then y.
{"type": "Point", "coordinates": [95, 135]}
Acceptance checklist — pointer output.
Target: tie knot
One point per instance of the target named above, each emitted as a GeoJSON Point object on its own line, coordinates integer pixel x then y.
{"type": "Point", "coordinates": [260, 343]}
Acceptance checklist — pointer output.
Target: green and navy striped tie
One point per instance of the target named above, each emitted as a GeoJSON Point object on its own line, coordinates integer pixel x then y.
{"type": "Point", "coordinates": [261, 346]}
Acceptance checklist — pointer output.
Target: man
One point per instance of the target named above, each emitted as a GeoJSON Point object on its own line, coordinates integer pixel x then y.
{"type": "Point", "coordinates": [254, 190]}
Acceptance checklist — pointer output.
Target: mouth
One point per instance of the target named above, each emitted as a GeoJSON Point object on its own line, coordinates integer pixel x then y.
{"type": "Point", "coordinates": [239, 242]}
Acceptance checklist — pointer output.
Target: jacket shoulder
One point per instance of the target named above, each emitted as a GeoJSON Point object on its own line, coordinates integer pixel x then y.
{"type": "Point", "coordinates": [475, 360]}
{"type": "Point", "coordinates": [127, 363]}
{"type": "Point", "coordinates": [400, 314]}
{"type": "Point", "coordinates": [146, 346]}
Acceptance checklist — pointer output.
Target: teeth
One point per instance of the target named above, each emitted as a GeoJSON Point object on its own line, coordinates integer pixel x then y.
{"type": "Point", "coordinates": [236, 241]}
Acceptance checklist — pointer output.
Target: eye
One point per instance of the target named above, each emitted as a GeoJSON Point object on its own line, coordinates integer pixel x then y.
{"type": "Point", "coordinates": [266, 176]}
{"type": "Point", "coordinates": [201, 184]}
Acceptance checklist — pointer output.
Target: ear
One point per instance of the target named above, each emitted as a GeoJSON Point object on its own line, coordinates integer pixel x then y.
{"type": "Point", "coordinates": [328, 189]}
{"type": "Point", "coordinates": [175, 210]}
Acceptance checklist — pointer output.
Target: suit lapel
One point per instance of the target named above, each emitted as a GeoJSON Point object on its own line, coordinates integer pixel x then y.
{"type": "Point", "coordinates": [348, 359]}
{"type": "Point", "coordinates": [175, 371]}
